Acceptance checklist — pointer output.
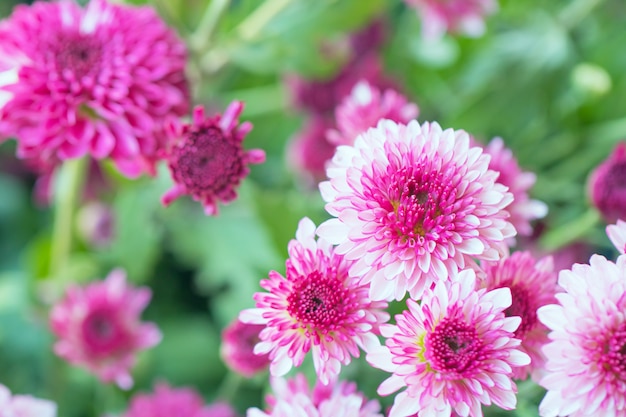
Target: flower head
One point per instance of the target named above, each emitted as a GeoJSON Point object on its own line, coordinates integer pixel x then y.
{"type": "Point", "coordinates": [309, 150]}
{"type": "Point", "coordinates": [237, 350]}
{"type": "Point", "coordinates": [414, 204]}
{"type": "Point", "coordinates": [98, 327]}
{"type": "Point", "coordinates": [452, 352]}
{"type": "Point", "coordinates": [316, 307]}
{"type": "Point", "coordinates": [24, 405]}
{"type": "Point", "coordinates": [606, 185]}
{"type": "Point", "coordinates": [532, 285]}
{"type": "Point", "coordinates": [206, 158]}
{"type": "Point", "coordinates": [617, 234]}
{"type": "Point", "coordinates": [586, 365]}
{"type": "Point", "coordinates": [97, 81]}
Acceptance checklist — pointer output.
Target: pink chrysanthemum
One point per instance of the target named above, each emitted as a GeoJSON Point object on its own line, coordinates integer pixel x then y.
{"type": "Point", "coordinates": [207, 159]}
{"type": "Point", "coordinates": [24, 405]}
{"type": "Point", "coordinates": [617, 235]}
{"type": "Point", "coordinates": [414, 204]}
{"type": "Point", "coordinates": [237, 349]}
{"type": "Point", "coordinates": [294, 398]}
{"type": "Point", "coordinates": [454, 16]}
{"type": "Point", "coordinates": [98, 327]}
{"type": "Point", "coordinates": [309, 150]}
{"type": "Point", "coordinates": [532, 285]}
{"type": "Point", "coordinates": [522, 209]}
{"type": "Point", "coordinates": [97, 81]}
{"type": "Point", "coordinates": [316, 307]}
{"type": "Point", "coordinates": [453, 351]}
{"type": "Point", "coordinates": [606, 188]}
{"type": "Point", "coordinates": [364, 107]}
{"type": "Point", "coordinates": [166, 402]}
{"type": "Point", "coordinates": [586, 366]}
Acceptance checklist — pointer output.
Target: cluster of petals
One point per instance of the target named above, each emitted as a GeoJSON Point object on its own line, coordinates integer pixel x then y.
{"type": "Point", "coordinates": [24, 405]}
{"type": "Point", "coordinates": [166, 401]}
{"type": "Point", "coordinates": [532, 284]}
{"type": "Point", "coordinates": [617, 234]}
{"type": "Point", "coordinates": [605, 186]}
{"type": "Point", "coordinates": [206, 157]}
{"type": "Point", "coordinates": [364, 107]}
{"type": "Point", "coordinates": [452, 352]}
{"type": "Point", "coordinates": [316, 307]}
{"type": "Point", "coordinates": [413, 205]}
{"type": "Point", "coordinates": [97, 81]}
{"type": "Point", "coordinates": [237, 349]}
{"type": "Point", "coordinates": [294, 398]}
{"type": "Point", "coordinates": [98, 327]}
{"type": "Point", "coordinates": [586, 359]}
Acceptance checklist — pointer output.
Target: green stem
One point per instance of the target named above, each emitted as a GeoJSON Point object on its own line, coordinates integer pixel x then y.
{"type": "Point", "coordinates": [257, 20]}
{"type": "Point", "coordinates": [229, 387]}
{"type": "Point", "coordinates": [570, 232]}
{"type": "Point", "coordinates": [201, 38]}
{"type": "Point", "coordinates": [576, 11]}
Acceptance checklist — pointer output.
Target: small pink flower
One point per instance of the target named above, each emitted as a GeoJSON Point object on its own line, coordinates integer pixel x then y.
{"type": "Point", "coordinates": [413, 205]}
{"type": "Point", "coordinates": [98, 327]}
{"type": "Point", "coordinates": [97, 81]}
{"type": "Point", "coordinates": [606, 188]}
{"type": "Point", "coordinates": [207, 160]}
{"type": "Point", "coordinates": [364, 107]}
{"type": "Point", "coordinates": [237, 349]}
{"type": "Point", "coordinates": [309, 151]}
{"type": "Point", "coordinates": [24, 405]}
{"type": "Point", "coordinates": [532, 285]}
{"type": "Point", "coordinates": [453, 352]}
{"type": "Point", "coordinates": [617, 235]}
{"type": "Point", "coordinates": [167, 402]}
{"type": "Point", "coordinates": [316, 307]}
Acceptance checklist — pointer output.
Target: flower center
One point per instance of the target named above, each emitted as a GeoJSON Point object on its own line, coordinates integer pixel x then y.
{"type": "Point", "coordinates": [521, 307]}
{"type": "Point", "coordinates": [615, 353]}
{"type": "Point", "coordinates": [318, 301]}
{"type": "Point", "coordinates": [103, 334]}
{"type": "Point", "coordinates": [78, 53]}
{"type": "Point", "coordinates": [453, 347]}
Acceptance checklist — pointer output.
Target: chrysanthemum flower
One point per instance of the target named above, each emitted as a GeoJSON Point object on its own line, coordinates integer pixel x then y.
{"type": "Point", "coordinates": [98, 327]}
{"type": "Point", "coordinates": [207, 159]}
{"type": "Point", "coordinates": [294, 398]}
{"type": "Point", "coordinates": [617, 234]}
{"type": "Point", "coordinates": [454, 351]}
{"type": "Point", "coordinates": [97, 81]}
{"type": "Point", "coordinates": [586, 365]}
{"type": "Point", "coordinates": [454, 16]}
{"type": "Point", "coordinates": [167, 402]}
{"type": "Point", "coordinates": [24, 405]}
{"type": "Point", "coordinates": [605, 185]}
{"type": "Point", "coordinates": [316, 307]}
{"type": "Point", "coordinates": [309, 150]}
{"type": "Point", "coordinates": [532, 284]}
{"type": "Point", "coordinates": [237, 349]}
{"type": "Point", "coordinates": [414, 204]}
{"type": "Point", "coordinates": [364, 107]}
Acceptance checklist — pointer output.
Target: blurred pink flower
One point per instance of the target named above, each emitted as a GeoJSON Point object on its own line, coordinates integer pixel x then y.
{"type": "Point", "coordinates": [206, 158]}
{"type": "Point", "coordinates": [453, 352]}
{"type": "Point", "coordinates": [413, 205]}
{"type": "Point", "coordinates": [237, 349]}
{"type": "Point", "coordinates": [97, 81]}
{"type": "Point", "coordinates": [363, 109]}
{"type": "Point", "coordinates": [294, 398]}
{"type": "Point", "coordinates": [24, 405]}
{"type": "Point", "coordinates": [96, 224]}
{"type": "Point", "coordinates": [606, 185]}
{"type": "Point", "coordinates": [532, 284]}
{"type": "Point", "coordinates": [317, 307]}
{"type": "Point", "coordinates": [586, 359]}
{"type": "Point", "coordinates": [98, 327]}
{"type": "Point", "coordinates": [617, 235]}
{"type": "Point", "coordinates": [167, 402]}
{"type": "Point", "coordinates": [309, 150]}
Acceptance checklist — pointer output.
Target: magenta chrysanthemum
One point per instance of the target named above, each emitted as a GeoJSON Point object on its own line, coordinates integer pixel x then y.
{"type": "Point", "coordinates": [294, 398]}
{"type": "Point", "coordinates": [207, 159]}
{"type": "Point", "coordinates": [24, 405]}
{"type": "Point", "coordinates": [237, 349]}
{"type": "Point", "coordinates": [586, 366]}
{"type": "Point", "coordinates": [309, 150]}
{"type": "Point", "coordinates": [606, 185]}
{"type": "Point", "coordinates": [98, 327]}
{"type": "Point", "coordinates": [316, 307]}
{"type": "Point", "coordinates": [532, 284]}
{"type": "Point", "coordinates": [364, 107]}
{"type": "Point", "coordinates": [453, 352]}
{"type": "Point", "coordinates": [617, 234]}
{"type": "Point", "coordinates": [97, 81]}
{"type": "Point", "coordinates": [414, 204]}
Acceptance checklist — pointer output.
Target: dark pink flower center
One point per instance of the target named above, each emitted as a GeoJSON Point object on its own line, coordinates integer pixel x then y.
{"type": "Point", "coordinates": [319, 301]}
{"type": "Point", "coordinates": [521, 306]}
{"type": "Point", "coordinates": [453, 347]}
{"type": "Point", "coordinates": [207, 162]}
{"type": "Point", "coordinates": [615, 353]}
{"type": "Point", "coordinates": [77, 53]}
{"type": "Point", "coordinates": [103, 333]}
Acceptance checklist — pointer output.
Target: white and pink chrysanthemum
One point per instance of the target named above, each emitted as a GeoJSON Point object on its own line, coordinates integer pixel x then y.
{"type": "Point", "coordinates": [294, 398]}
{"type": "Point", "coordinates": [364, 107]}
{"type": "Point", "coordinates": [237, 348]}
{"type": "Point", "coordinates": [414, 205]}
{"type": "Point", "coordinates": [453, 16]}
{"type": "Point", "coordinates": [617, 234]}
{"type": "Point", "coordinates": [532, 284]}
{"type": "Point", "coordinates": [316, 307]}
{"type": "Point", "coordinates": [97, 81]}
{"type": "Point", "coordinates": [586, 365]}
{"type": "Point", "coordinates": [24, 405]}
{"type": "Point", "coordinates": [453, 352]}
{"type": "Point", "coordinates": [207, 159]}
{"type": "Point", "coordinates": [98, 327]}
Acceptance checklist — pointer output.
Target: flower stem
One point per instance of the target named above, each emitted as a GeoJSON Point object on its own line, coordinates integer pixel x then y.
{"type": "Point", "coordinates": [201, 38]}
{"type": "Point", "coordinates": [229, 386]}
{"type": "Point", "coordinates": [257, 20]}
